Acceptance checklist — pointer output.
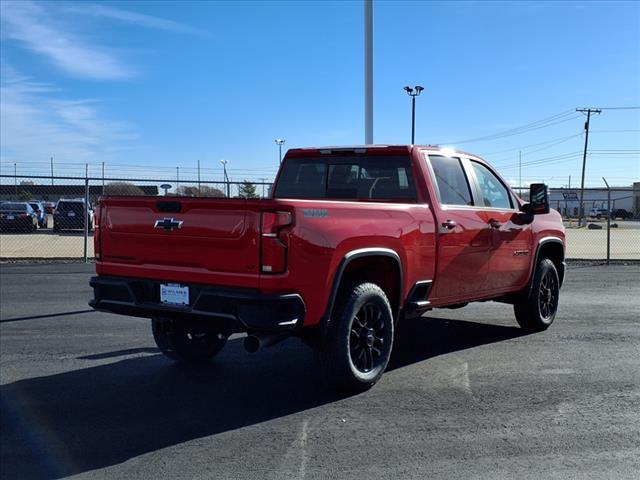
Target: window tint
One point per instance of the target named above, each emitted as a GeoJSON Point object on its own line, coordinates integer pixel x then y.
{"type": "Point", "coordinates": [13, 207]}
{"type": "Point", "coordinates": [453, 186]}
{"type": "Point", "coordinates": [358, 178]}
{"type": "Point", "coordinates": [77, 207]}
{"type": "Point", "coordinates": [494, 193]}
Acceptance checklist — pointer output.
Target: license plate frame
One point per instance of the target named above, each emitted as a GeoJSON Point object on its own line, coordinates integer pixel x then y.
{"type": "Point", "coordinates": [11, 217]}
{"type": "Point", "coordinates": [174, 294]}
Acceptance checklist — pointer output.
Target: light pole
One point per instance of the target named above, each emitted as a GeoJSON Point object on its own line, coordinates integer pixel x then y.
{"type": "Point", "coordinates": [280, 142]}
{"type": "Point", "coordinates": [226, 178]}
{"type": "Point", "coordinates": [413, 93]}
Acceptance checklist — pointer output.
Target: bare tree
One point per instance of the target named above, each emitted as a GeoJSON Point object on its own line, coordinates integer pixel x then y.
{"type": "Point", "coordinates": [204, 191]}
{"type": "Point", "coordinates": [122, 188]}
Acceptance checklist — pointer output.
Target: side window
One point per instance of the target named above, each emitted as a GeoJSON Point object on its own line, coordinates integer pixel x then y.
{"type": "Point", "coordinates": [494, 193]}
{"type": "Point", "coordinates": [451, 180]}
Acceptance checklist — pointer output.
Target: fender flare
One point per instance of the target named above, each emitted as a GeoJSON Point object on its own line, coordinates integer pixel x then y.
{"type": "Point", "coordinates": [544, 241]}
{"type": "Point", "coordinates": [346, 260]}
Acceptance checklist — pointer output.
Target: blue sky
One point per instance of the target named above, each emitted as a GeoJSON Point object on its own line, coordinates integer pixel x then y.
{"type": "Point", "coordinates": [148, 86]}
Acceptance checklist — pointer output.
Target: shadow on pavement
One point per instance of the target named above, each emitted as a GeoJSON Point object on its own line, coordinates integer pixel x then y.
{"type": "Point", "coordinates": [119, 353]}
{"type": "Point", "coordinates": [92, 418]}
{"type": "Point", "coordinates": [51, 315]}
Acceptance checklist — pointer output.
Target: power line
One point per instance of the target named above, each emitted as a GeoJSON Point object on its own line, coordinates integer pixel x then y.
{"type": "Point", "coordinates": [545, 122]}
{"type": "Point", "coordinates": [543, 148]}
{"type": "Point", "coordinates": [614, 131]}
{"type": "Point", "coordinates": [617, 108]}
{"type": "Point", "coordinates": [533, 145]}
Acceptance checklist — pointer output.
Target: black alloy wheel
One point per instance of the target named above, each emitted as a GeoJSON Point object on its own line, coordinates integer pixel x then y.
{"type": "Point", "coordinates": [548, 295]}
{"type": "Point", "coordinates": [367, 342]}
{"type": "Point", "coordinates": [537, 305]}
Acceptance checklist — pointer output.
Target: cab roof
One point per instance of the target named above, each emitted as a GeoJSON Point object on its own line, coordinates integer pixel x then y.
{"type": "Point", "coordinates": [372, 150]}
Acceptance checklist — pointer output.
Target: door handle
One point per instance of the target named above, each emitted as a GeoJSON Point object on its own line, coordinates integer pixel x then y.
{"type": "Point", "coordinates": [449, 224]}
{"type": "Point", "coordinates": [494, 224]}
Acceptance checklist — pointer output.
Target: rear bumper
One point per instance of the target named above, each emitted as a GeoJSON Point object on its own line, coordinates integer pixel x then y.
{"type": "Point", "coordinates": [17, 224]}
{"type": "Point", "coordinates": [62, 222]}
{"type": "Point", "coordinates": [235, 310]}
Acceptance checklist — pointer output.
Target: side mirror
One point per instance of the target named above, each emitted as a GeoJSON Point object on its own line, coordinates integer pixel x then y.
{"type": "Point", "coordinates": [538, 199]}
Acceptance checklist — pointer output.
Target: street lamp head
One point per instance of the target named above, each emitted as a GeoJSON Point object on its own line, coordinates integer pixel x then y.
{"type": "Point", "coordinates": [409, 90]}
{"type": "Point", "coordinates": [279, 141]}
{"type": "Point", "coordinates": [419, 89]}
{"type": "Point", "coordinates": [224, 162]}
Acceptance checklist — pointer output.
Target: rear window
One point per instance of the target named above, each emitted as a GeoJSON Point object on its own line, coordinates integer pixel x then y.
{"type": "Point", "coordinates": [357, 178]}
{"type": "Point", "coordinates": [76, 207]}
{"type": "Point", "coordinates": [13, 207]}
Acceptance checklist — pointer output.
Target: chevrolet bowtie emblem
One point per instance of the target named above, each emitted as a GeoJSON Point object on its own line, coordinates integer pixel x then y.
{"type": "Point", "coordinates": [168, 224]}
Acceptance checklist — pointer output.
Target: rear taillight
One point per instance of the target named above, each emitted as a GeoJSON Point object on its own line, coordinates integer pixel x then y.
{"type": "Point", "coordinates": [274, 241]}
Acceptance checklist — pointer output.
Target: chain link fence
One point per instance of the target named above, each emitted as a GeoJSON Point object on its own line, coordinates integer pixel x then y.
{"type": "Point", "coordinates": [610, 229]}
{"type": "Point", "coordinates": [607, 228]}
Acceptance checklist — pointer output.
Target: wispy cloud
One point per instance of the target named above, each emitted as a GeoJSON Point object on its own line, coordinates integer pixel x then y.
{"type": "Point", "coordinates": [36, 29]}
{"type": "Point", "coordinates": [38, 121]}
{"type": "Point", "coordinates": [50, 30]}
{"type": "Point", "coordinates": [134, 18]}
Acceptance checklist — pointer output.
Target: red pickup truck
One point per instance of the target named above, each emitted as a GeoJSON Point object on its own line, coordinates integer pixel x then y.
{"type": "Point", "coordinates": [352, 241]}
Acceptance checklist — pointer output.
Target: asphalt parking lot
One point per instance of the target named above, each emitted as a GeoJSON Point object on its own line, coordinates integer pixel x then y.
{"type": "Point", "coordinates": [467, 396]}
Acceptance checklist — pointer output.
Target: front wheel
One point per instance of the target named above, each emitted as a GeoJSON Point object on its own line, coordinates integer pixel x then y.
{"type": "Point", "coordinates": [536, 309]}
{"type": "Point", "coordinates": [186, 346]}
{"type": "Point", "coordinates": [359, 339]}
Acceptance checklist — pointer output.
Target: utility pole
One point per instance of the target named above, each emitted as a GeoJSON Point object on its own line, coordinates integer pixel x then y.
{"type": "Point", "coordinates": [102, 178]}
{"type": "Point", "coordinates": [520, 170]}
{"type": "Point", "coordinates": [51, 171]}
{"type": "Point", "coordinates": [15, 179]}
{"type": "Point", "coordinates": [226, 177]}
{"type": "Point", "coordinates": [588, 111]}
{"type": "Point", "coordinates": [368, 72]}
{"type": "Point", "coordinates": [198, 177]}
{"type": "Point", "coordinates": [178, 180]}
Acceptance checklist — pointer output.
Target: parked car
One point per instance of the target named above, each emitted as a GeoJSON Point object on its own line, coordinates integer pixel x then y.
{"type": "Point", "coordinates": [70, 214]}
{"type": "Point", "coordinates": [598, 213]}
{"type": "Point", "coordinates": [621, 213]}
{"type": "Point", "coordinates": [39, 208]}
{"type": "Point", "coordinates": [17, 216]}
{"type": "Point", "coordinates": [353, 241]}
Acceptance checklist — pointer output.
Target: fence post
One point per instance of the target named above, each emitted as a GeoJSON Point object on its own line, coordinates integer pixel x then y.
{"type": "Point", "coordinates": [608, 221]}
{"type": "Point", "coordinates": [86, 213]}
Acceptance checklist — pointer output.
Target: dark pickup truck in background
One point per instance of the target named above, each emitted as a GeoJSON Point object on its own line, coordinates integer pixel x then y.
{"type": "Point", "coordinates": [353, 240]}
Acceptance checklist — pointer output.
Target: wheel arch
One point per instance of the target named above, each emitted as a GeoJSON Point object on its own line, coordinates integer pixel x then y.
{"type": "Point", "coordinates": [381, 266]}
{"type": "Point", "coordinates": [553, 249]}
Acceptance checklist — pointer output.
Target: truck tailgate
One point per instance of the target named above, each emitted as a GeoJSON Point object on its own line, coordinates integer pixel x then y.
{"type": "Point", "coordinates": [201, 240]}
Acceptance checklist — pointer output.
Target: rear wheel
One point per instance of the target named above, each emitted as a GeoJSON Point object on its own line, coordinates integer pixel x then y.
{"type": "Point", "coordinates": [186, 346]}
{"type": "Point", "coordinates": [537, 308]}
{"type": "Point", "coordinates": [358, 345]}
